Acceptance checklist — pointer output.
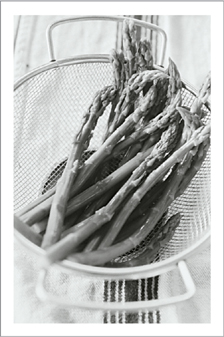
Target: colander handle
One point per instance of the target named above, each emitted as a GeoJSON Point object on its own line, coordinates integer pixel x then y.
{"type": "Point", "coordinates": [43, 295]}
{"type": "Point", "coordinates": [139, 23]}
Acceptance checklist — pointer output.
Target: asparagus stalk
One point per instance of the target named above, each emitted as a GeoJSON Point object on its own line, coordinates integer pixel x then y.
{"type": "Point", "coordinates": [175, 83]}
{"type": "Point", "coordinates": [63, 187]}
{"type": "Point", "coordinates": [144, 58]}
{"type": "Point", "coordinates": [117, 61]}
{"type": "Point", "coordinates": [204, 93]}
{"type": "Point", "coordinates": [130, 47]}
{"type": "Point", "coordinates": [196, 164]}
{"type": "Point", "coordinates": [158, 240]}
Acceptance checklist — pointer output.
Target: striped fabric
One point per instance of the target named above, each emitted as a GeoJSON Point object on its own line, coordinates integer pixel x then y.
{"type": "Point", "coordinates": [129, 291]}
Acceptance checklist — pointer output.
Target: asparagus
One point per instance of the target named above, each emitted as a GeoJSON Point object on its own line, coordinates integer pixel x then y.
{"type": "Point", "coordinates": [138, 94]}
{"type": "Point", "coordinates": [64, 184]}
{"type": "Point", "coordinates": [183, 156]}
{"type": "Point", "coordinates": [104, 255]}
{"type": "Point", "coordinates": [168, 141]}
{"type": "Point", "coordinates": [93, 161]}
{"type": "Point", "coordinates": [158, 240]}
{"type": "Point", "coordinates": [136, 57]}
{"type": "Point", "coordinates": [160, 122]}
{"type": "Point", "coordinates": [144, 58]}
{"type": "Point", "coordinates": [196, 164]}
{"type": "Point", "coordinates": [175, 83]}
{"type": "Point", "coordinates": [90, 194]}
{"type": "Point", "coordinates": [204, 93]}
{"type": "Point", "coordinates": [140, 213]}
{"type": "Point", "coordinates": [47, 197]}
{"type": "Point", "coordinates": [71, 224]}
{"type": "Point", "coordinates": [163, 148]}
{"type": "Point", "coordinates": [117, 61]}
{"type": "Point", "coordinates": [155, 79]}
{"type": "Point", "coordinates": [130, 46]}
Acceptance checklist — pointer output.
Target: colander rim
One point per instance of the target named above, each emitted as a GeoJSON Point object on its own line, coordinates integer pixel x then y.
{"type": "Point", "coordinates": [153, 269]}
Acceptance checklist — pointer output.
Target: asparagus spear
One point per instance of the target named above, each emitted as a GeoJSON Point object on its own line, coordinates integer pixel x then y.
{"type": "Point", "coordinates": [81, 141]}
{"type": "Point", "coordinates": [175, 83]}
{"type": "Point", "coordinates": [204, 93]}
{"type": "Point", "coordinates": [196, 164]}
{"type": "Point", "coordinates": [117, 61]}
{"type": "Point", "coordinates": [144, 58]}
{"type": "Point", "coordinates": [158, 240]}
{"type": "Point", "coordinates": [129, 44]}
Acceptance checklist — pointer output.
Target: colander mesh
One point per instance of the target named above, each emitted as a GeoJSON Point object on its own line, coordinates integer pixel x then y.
{"type": "Point", "coordinates": [47, 113]}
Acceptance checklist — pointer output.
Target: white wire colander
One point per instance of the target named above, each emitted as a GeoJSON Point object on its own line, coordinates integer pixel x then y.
{"type": "Point", "coordinates": [49, 104]}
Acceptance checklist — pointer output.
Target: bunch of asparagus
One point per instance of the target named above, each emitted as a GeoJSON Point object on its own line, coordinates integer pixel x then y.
{"type": "Point", "coordinates": [158, 146]}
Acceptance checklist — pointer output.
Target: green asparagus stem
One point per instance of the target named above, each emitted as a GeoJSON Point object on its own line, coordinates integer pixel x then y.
{"type": "Point", "coordinates": [129, 44]}
{"type": "Point", "coordinates": [158, 240]}
{"type": "Point", "coordinates": [64, 184]}
{"type": "Point", "coordinates": [144, 58]}
{"type": "Point", "coordinates": [175, 83]}
{"type": "Point", "coordinates": [204, 94]}
{"type": "Point", "coordinates": [117, 61]}
{"type": "Point", "coordinates": [196, 164]}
